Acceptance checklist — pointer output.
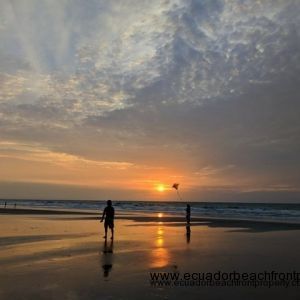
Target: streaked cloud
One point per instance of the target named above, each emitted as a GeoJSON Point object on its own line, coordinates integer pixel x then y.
{"type": "Point", "coordinates": [36, 154]}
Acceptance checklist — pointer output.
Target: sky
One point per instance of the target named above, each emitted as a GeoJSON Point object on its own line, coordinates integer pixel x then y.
{"type": "Point", "coordinates": [120, 99]}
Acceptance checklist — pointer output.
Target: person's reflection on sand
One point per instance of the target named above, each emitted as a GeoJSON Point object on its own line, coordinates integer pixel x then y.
{"type": "Point", "coordinates": [188, 233]}
{"type": "Point", "coordinates": [107, 257]}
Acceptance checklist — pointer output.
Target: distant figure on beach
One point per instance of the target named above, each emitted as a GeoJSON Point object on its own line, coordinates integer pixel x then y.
{"type": "Point", "coordinates": [15, 206]}
{"type": "Point", "coordinates": [108, 217]}
{"type": "Point", "coordinates": [188, 214]}
{"type": "Point", "coordinates": [5, 204]}
{"type": "Point", "coordinates": [188, 223]}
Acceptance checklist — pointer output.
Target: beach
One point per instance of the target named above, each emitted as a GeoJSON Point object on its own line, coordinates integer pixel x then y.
{"type": "Point", "coordinates": [62, 255]}
{"type": "Point", "coordinates": [172, 126]}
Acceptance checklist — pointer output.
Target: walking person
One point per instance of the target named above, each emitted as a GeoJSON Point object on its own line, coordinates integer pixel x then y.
{"type": "Point", "coordinates": [108, 217]}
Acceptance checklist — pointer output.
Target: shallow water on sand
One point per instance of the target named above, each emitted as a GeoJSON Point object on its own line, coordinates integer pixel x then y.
{"type": "Point", "coordinates": [54, 257]}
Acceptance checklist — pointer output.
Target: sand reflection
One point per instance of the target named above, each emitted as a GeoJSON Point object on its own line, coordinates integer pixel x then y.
{"type": "Point", "coordinates": [159, 255]}
{"type": "Point", "coordinates": [107, 257]}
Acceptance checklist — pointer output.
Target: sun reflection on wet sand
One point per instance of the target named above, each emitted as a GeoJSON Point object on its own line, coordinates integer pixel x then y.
{"type": "Point", "coordinates": [159, 255]}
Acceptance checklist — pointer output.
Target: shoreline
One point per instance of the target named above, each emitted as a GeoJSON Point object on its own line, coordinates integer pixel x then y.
{"type": "Point", "coordinates": [167, 220]}
{"type": "Point", "coordinates": [41, 211]}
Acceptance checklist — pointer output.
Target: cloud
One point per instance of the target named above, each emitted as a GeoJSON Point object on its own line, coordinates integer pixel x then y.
{"type": "Point", "coordinates": [36, 153]}
{"type": "Point", "coordinates": [194, 51]}
{"type": "Point", "coordinates": [186, 86]}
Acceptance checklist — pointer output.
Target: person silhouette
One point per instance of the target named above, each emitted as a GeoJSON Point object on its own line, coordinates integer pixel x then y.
{"type": "Point", "coordinates": [107, 257]}
{"type": "Point", "coordinates": [109, 215]}
{"type": "Point", "coordinates": [188, 214]}
{"type": "Point", "coordinates": [188, 223]}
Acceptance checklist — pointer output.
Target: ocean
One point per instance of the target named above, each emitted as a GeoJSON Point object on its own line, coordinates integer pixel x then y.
{"type": "Point", "coordinates": [243, 211]}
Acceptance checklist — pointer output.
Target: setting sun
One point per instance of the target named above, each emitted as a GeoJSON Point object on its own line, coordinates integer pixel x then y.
{"type": "Point", "coordinates": [160, 188]}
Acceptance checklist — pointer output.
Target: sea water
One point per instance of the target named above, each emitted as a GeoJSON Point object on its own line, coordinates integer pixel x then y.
{"type": "Point", "coordinates": [283, 212]}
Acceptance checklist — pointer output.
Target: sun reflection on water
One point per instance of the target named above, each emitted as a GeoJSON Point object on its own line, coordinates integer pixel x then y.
{"type": "Point", "coordinates": [159, 255]}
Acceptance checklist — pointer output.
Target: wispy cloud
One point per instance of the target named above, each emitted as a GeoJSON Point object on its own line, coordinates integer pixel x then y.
{"type": "Point", "coordinates": [36, 153]}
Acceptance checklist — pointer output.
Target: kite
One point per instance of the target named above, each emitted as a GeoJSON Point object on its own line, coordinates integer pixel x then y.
{"type": "Point", "coordinates": [176, 187]}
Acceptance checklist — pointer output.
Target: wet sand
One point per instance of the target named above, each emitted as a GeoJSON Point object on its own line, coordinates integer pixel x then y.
{"type": "Point", "coordinates": [55, 256]}
{"type": "Point", "coordinates": [28, 211]}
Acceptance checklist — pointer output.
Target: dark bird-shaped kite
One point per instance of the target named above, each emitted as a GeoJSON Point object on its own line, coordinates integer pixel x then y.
{"type": "Point", "coordinates": [176, 187]}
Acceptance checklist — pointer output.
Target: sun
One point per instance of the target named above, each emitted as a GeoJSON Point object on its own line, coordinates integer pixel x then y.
{"type": "Point", "coordinates": [160, 188]}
